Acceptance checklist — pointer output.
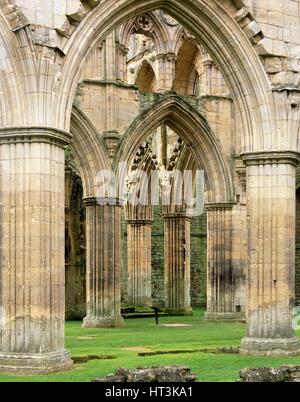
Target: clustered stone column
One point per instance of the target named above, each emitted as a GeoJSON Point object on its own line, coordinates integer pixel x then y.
{"type": "Point", "coordinates": [103, 232]}
{"type": "Point", "coordinates": [271, 251]}
{"type": "Point", "coordinates": [220, 275]}
{"type": "Point", "coordinates": [139, 262]}
{"type": "Point", "coordinates": [166, 71]}
{"type": "Point", "coordinates": [32, 282]}
{"type": "Point", "coordinates": [177, 263]}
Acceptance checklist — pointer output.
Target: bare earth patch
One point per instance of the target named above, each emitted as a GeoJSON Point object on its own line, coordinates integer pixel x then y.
{"type": "Point", "coordinates": [138, 349]}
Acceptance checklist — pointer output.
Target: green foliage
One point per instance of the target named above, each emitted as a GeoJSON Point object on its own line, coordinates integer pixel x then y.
{"type": "Point", "coordinates": [140, 335]}
{"type": "Point", "coordinates": [70, 160]}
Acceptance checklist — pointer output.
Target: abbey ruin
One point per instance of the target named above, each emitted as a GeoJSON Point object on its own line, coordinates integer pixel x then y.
{"type": "Point", "coordinates": [91, 88]}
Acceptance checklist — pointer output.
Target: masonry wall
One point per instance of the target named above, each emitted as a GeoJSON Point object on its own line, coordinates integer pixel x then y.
{"type": "Point", "coordinates": [198, 260]}
{"type": "Point", "coordinates": [158, 276]}
{"type": "Point", "coordinates": [298, 247]}
{"type": "Point", "coordinates": [108, 105]}
{"type": "Point", "coordinates": [75, 256]}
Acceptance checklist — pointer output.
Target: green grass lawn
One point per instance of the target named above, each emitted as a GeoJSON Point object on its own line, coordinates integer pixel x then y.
{"type": "Point", "coordinates": [140, 335]}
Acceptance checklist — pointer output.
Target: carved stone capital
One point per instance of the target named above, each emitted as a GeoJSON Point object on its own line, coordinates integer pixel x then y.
{"type": "Point", "coordinates": [139, 222]}
{"type": "Point", "coordinates": [178, 215]}
{"type": "Point", "coordinates": [94, 201]}
{"type": "Point", "coordinates": [241, 170]}
{"type": "Point", "coordinates": [32, 134]}
{"type": "Point", "coordinates": [271, 157]}
{"type": "Point", "coordinates": [219, 206]}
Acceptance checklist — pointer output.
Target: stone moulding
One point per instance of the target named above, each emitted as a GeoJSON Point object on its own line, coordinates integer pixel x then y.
{"type": "Point", "coordinates": [102, 82]}
{"type": "Point", "coordinates": [35, 363]}
{"type": "Point", "coordinates": [220, 205]}
{"type": "Point", "coordinates": [273, 157]}
{"type": "Point", "coordinates": [270, 347]}
{"type": "Point", "coordinates": [225, 317]}
{"type": "Point", "coordinates": [89, 201]}
{"type": "Point", "coordinates": [103, 322]}
{"type": "Point", "coordinates": [139, 222]}
{"type": "Point", "coordinates": [34, 134]}
{"type": "Point", "coordinates": [177, 215]}
{"type": "Point", "coordinates": [14, 16]}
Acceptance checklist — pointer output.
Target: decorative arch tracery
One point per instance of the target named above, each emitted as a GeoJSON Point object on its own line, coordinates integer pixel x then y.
{"type": "Point", "coordinates": [192, 127]}
{"type": "Point", "coordinates": [149, 25]}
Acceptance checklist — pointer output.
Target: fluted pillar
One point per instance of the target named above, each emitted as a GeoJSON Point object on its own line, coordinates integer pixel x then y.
{"type": "Point", "coordinates": [177, 264]}
{"type": "Point", "coordinates": [166, 71]}
{"type": "Point", "coordinates": [32, 283]}
{"type": "Point", "coordinates": [271, 252]}
{"type": "Point", "coordinates": [139, 262]}
{"type": "Point", "coordinates": [103, 235]}
{"type": "Point", "coordinates": [220, 273]}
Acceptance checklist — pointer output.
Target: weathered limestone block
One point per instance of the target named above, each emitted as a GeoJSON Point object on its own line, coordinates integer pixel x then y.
{"type": "Point", "coordinates": [44, 36]}
{"type": "Point", "coordinates": [103, 233]}
{"type": "Point", "coordinates": [285, 78]}
{"type": "Point", "coordinates": [91, 3]}
{"type": "Point", "coordinates": [152, 374]}
{"type": "Point", "coordinates": [14, 15]}
{"type": "Point", "coordinates": [251, 28]}
{"type": "Point", "coordinates": [253, 31]}
{"type": "Point", "coordinates": [177, 264]}
{"type": "Point", "coordinates": [271, 252]}
{"type": "Point", "coordinates": [66, 29]}
{"type": "Point", "coordinates": [273, 64]}
{"type": "Point", "coordinates": [241, 14]}
{"type": "Point", "coordinates": [32, 251]}
{"type": "Point", "coordinates": [76, 17]}
{"type": "Point", "coordinates": [280, 374]}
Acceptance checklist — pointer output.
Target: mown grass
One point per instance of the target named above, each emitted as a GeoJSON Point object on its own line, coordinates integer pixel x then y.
{"type": "Point", "coordinates": [123, 345]}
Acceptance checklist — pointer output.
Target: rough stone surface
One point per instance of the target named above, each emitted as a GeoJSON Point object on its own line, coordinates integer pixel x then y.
{"type": "Point", "coordinates": [75, 247]}
{"type": "Point", "coordinates": [281, 374]}
{"type": "Point", "coordinates": [153, 374]}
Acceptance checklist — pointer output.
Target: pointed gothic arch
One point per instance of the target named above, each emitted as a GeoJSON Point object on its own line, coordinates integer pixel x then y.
{"type": "Point", "coordinates": [145, 78]}
{"type": "Point", "coordinates": [185, 67]}
{"type": "Point", "coordinates": [89, 151]}
{"type": "Point", "coordinates": [213, 26]}
{"type": "Point", "coordinates": [194, 130]}
{"type": "Point", "coordinates": [11, 91]}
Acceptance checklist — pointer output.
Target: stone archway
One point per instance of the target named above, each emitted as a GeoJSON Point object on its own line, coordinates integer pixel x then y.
{"type": "Point", "coordinates": [210, 24]}
{"type": "Point", "coordinates": [145, 78]}
{"type": "Point", "coordinates": [45, 114]}
{"type": "Point", "coordinates": [90, 157]}
{"type": "Point", "coordinates": [297, 265]}
{"type": "Point", "coordinates": [193, 129]}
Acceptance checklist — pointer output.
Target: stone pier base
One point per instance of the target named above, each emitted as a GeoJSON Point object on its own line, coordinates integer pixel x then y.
{"type": "Point", "coordinates": [179, 311]}
{"type": "Point", "coordinates": [113, 322]}
{"type": "Point", "coordinates": [270, 347]}
{"type": "Point", "coordinates": [239, 317]}
{"type": "Point", "coordinates": [35, 363]}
